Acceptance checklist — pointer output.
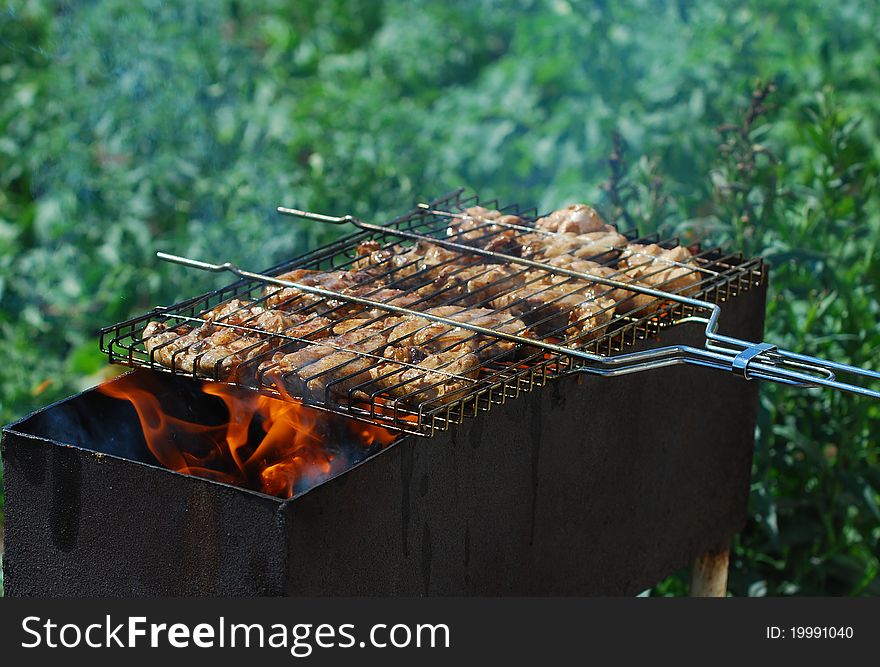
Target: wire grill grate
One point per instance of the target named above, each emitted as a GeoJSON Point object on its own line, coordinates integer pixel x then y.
{"type": "Point", "coordinates": [368, 386]}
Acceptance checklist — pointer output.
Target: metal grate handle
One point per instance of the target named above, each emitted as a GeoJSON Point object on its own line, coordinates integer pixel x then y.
{"type": "Point", "coordinates": [747, 359]}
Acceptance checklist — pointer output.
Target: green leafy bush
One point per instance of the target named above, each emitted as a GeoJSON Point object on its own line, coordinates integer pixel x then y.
{"type": "Point", "coordinates": [129, 128]}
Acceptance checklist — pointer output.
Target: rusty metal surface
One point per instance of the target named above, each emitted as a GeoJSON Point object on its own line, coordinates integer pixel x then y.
{"type": "Point", "coordinates": [589, 486]}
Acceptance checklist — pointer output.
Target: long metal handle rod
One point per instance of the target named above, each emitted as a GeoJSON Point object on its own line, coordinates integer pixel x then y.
{"type": "Point", "coordinates": [497, 256]}
{"type": "Point", "coordinates": [556, 235]}
{"type": "Point", "coordinates": [627, 363]}
{"type": "Point", "coordinates": [600, 365]}
{"type": "Point", "coordinates": [658, 355]}
{"type": "Point", "coordinates": [753, 360]}
{"type": "Point", "coordinates": [399, 310]}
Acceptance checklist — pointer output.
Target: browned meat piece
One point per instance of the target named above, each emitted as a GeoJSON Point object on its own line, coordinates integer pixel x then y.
{"type": "Point", "coordinates": [574, 219]}
{"type": "Point", "coordinates": [367, 248]}
{"type": "Point", "coordinates": [482, 213]}
{"type": "Point", "coordinates": [531, 300]}
{"type": "Point", "coordinates": [589, 320]}
{"type": "Point", "coordinates": [235, 311]}
{"type": "Point", "coordinates": [162, 340]}
{"type": "Point", "coordinates": [434, 258]}
{"type": "Point", "coordinates": [440, 351]}
{"type": "Point", "coordinates": [573, 263]}
{"type": "Point", "coordinates": [198, 350]}
{"type": "Point", "coordinates": [341, 308]}
{"type": "Point", "coordinates": [227, 340]}
{"type": "Point", "coordinates": [331, 366]}
{"type": "Point", "coordinates": [626, 301]}
{"type": "Point", "coordinates": [436, 337]}
{"type": "Point", "coordinates": [411, 331]}
{"type": "Point", "coordinates": [555, 305]}
{"type": "Point", "coordinates": [473, 285]}
{"type": "Point", "coordinates": [353, 323]}
{"type": "Point", "coordinates": [605, 244]}
{"type": "Point", "coordinates": [292, 299]}
{"type": "Point", "coordinates": [169, 345]}
{"type": "Point", "coordinates": [393, 263]}
{"type": "Point", "coordinates": [485, 228]}
{"type": "Point", "coordinates": [487, 348]}
{"type": "Point", "coordinates": [394, 297]}
{"type": "Point", "coordinates": [437, 375]}
{"type": "Point", "coordinates": [413, 266]}
{"type": "Point", "coordinates": [595, 269]}
{"type": "Point", "coordinates": [311, 327]}
{"type": "Point", "coordinates": [220, 354]}
{"type": "Point", "coordinates": [660, 268]}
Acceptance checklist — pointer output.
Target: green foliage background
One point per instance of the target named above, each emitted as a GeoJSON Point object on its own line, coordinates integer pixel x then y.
{"type": "Point", "coordinates": [126, 128]}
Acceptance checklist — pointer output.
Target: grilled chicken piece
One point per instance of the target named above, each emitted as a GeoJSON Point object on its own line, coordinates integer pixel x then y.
{"type": "Point", "coordinates": [589, 320]}
{"type": "Point", "coordinates": [331, 366]}
{"type": "Point", "coordinates": [236, 311]}
{"type": "Point", "coordinates": [485, 228]}
{"type": "Point", "coordinates": [358, 283]}
{"type": "Point", "coordinates": [415, 266]}
{"type": "Point", "coordinates": [594, 269]}
{"type": "Point", "coordinates": [574, 219]}
{"type": "Point", "coordinates": [232, 335]}
{"type": "Point", "coordinates": [473, 285]}
{"type": "Point", "coordinates": [411, 331]}
{"type": "Point", "coordinates": [292, 299]}
{"type": "Point", "coordinates": [434, 258]}
{"type": "Point", "coordinates": [163, 341]}
{"type": "Point", "coordinates": [626, 301]}
{"type": "Point", "coordinates": [555, 310]}
{"type": "Point", "coordinates": [437, 376]}
{"type": "Point", "coordinates": [660, 268]}
{"type": "Point", "coordinates": [555, 305]}
{"type": "Point", "coordinates": [322, 369]}
{"type": "Point", "coordinates": [394, 297]}
{"type": "Point", "coordinates": [354, 323]}
{"type": "Point", "coordinates": [605, 244]}
{"type": "Point", "coordinates": [392, 262]}
{"type": "Point", "coordinates": [437, 337]}
{"type": "Point", "coordinates": [482, 213]}
{"type": "Point", "coordinates": [491, 319]}
{"type": "Point", "coordinates": [312, 327]}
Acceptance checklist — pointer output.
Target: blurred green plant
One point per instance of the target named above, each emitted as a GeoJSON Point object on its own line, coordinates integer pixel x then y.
{"type": "Point", "coordinates": [815, 217]}
{"type": "Point", "coordinates": [126, 129]}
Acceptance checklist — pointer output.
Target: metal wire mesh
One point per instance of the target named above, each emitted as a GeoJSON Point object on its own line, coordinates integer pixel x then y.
{"type": "Point", "coordinates": [411, 374]}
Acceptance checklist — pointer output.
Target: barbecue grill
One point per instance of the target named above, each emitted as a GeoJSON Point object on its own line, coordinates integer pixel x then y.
{"type": "Point", "coordinates": [600, 349]}
{"type": "Point", "coordinates": [559, 493]}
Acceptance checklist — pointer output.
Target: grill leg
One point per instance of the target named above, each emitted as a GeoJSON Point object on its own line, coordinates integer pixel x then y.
{"type": "Point", "coordinates": [709, 573]}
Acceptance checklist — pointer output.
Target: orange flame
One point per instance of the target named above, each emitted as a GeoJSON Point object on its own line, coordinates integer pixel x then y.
{"type": "Point", "coordinates": [279, 447]}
